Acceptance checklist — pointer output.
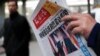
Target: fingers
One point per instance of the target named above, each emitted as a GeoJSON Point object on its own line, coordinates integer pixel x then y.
{"type": "Point", "coordinates": [70, 17]}
{"type": "Point", "coordinates": [76, 30]}
{"type": "Point", "coordinates": [72, 25]}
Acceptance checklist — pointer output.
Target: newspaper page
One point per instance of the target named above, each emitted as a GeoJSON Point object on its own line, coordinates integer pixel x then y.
{"type": "Point", "coordinates": [62, 3]}
{"type": "Point", "coordinates": [51, 33]}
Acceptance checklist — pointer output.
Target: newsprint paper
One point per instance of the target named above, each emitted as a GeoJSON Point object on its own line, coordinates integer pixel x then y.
{"type": "Point", "coordinates": [51, 33]}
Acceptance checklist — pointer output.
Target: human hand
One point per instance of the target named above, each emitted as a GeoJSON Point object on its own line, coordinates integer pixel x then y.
{"type": "Point", "coordinates": [79, 24]}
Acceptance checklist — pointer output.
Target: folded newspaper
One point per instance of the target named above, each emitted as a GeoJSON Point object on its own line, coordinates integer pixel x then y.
{"type": "Point", "coordinates": [51, 33]}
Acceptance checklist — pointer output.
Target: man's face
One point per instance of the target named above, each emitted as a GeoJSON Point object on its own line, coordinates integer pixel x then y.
{"type": "Point", "coordinates": [12, 6]}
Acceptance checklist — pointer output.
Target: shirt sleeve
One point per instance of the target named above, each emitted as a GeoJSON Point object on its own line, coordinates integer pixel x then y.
{"type": "Point", "coordinates": [93, 35]}
{"type": "Point", "coordinates": [94, 39]}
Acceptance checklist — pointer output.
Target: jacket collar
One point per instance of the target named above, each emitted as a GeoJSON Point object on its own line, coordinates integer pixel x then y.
{"type": "Point", "coordinates": [14, 15]}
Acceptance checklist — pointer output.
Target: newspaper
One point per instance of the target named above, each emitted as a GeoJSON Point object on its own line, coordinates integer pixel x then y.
{"type": "Point", "coordinates": [51, 33]}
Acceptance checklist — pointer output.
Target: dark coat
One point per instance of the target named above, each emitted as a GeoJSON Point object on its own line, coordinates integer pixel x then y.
{"type": "Point", "coordinates": [94, 39]}
{"type": "Point", "coordinates": [16, 36]}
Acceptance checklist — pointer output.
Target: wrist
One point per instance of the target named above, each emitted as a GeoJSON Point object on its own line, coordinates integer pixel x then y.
{"type": "Point", "coordinates": [89, 30]}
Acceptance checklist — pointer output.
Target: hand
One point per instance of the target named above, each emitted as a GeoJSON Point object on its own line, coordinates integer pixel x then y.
{"type": "Point", "coordinates": [80, 24]}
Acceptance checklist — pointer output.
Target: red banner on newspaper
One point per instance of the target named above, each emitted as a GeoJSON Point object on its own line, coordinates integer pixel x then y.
{"type": "Point", "coordinates": [41, 17]}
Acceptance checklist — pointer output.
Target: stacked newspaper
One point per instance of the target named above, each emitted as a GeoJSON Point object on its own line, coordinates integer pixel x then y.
{"type": "Point", "coordinates": [51, 33]}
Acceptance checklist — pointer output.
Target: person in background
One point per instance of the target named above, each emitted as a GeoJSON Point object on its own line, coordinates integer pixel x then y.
{"type": "Point", "coordinates": [16, 32]}
{"type": "Point", "coordinates": [86, 26]}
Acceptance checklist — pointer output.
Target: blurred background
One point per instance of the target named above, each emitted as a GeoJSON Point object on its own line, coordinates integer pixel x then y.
{"type": "Point", "coordinates": [26, 8]}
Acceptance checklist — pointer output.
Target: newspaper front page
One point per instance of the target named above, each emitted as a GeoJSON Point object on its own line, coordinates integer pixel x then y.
{"type": "Point", "coordinates": [51, 33]}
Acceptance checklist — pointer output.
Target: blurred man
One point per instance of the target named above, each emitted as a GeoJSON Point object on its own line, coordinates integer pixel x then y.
{"type": "Point", "coordinates": [16, 32]}
{"type": "Point", "coordinates": [85, 25]}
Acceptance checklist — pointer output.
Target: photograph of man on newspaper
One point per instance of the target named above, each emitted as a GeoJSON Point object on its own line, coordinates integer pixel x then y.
{"type": "Point", "coordinates": [62, 43]}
